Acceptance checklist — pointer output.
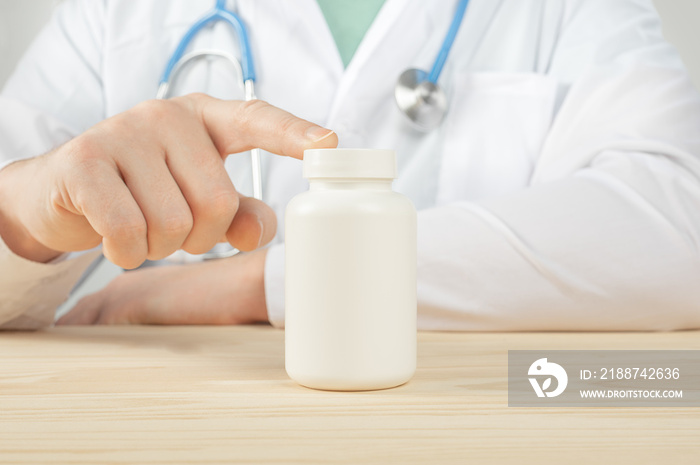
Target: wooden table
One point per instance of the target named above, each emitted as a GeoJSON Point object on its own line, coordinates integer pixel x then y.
{"type": "Point", "coordinates": [220, 395]}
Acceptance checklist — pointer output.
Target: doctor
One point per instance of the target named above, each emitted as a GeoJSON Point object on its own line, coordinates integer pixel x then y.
{"type": "Point", "coordinates": [561, 191]}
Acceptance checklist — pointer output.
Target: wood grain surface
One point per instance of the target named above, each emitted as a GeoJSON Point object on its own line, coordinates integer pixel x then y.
{"type": "Point", "coordinates": [170, 395]}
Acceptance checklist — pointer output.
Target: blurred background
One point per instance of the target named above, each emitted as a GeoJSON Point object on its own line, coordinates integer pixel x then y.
{"type": "Point", "coordinates": [20, 20]}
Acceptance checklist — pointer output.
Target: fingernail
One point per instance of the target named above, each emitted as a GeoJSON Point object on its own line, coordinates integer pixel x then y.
{"type": "Point", "coordinates": [317, 133]}
{"type": "Point", "coordinates": [262, 230]}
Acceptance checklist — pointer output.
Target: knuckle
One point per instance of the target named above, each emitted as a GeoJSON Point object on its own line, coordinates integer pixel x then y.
{"type": "Point", "coordinates": [289, 123]}
{"type": "Point", "coordinates": [198, 98]}
{"type": "Point", "coordinates": [84, 158]}
{"type": "Point", "coordinates": [225, 201]}
{"type": "Point", "coordinates": [289, 126]}
{"type": "Point", "coordinates": [84, 150]}
{"type": "Point", "coordinates": [248, 112]}
{"type": "Point", "coordinates": [130, 228]}
{"type": "Point", "coordinates": [193, 102]}
{"type": "Point", "coordinates": [221, 203]}
{"type": "Point", "coordinates": [174, 225]}
{"type": "Point", "coordinates": [155, 110]}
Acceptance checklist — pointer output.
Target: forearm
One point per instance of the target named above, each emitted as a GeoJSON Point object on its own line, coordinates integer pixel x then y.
{"type": "Point", "coordinates": [30, 291]}
{"type": "Point", "coordinates": [35, 279]}
{"type": "Point", "coordinates": [243, 278]}
{"type": "Point", "coordinates": [610, 248]}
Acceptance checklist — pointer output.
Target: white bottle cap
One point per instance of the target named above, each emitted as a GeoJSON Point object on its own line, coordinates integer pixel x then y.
{"type": "Point", "coordinates": [350, 163]}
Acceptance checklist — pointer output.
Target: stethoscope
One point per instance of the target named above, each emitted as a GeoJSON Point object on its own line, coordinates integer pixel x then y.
{"type": "Point", "coordinates": [417, 92]}
{"type": "Point", "coordinates": [245, 68]}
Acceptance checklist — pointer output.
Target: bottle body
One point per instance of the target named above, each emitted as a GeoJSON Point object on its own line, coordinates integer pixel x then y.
{"type": "Point", "coordinates": [350, 313]}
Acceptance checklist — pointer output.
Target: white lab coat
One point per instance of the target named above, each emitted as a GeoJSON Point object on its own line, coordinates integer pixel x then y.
{"type": "Point", "coordinates": [562, 191]}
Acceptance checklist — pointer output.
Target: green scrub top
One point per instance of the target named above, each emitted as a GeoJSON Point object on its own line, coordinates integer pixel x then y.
{"type": "Point", "coordinates": [349, 21]}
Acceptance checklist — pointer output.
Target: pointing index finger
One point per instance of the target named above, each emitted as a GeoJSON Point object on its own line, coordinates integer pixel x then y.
{"type": "Point", "coordinates": [237, 126]}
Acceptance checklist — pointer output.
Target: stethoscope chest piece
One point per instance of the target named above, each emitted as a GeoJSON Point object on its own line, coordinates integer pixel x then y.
{"type": "Point", "coordinates": [417, 92]}
{"type": "Point", "coordinates": [424, 102]}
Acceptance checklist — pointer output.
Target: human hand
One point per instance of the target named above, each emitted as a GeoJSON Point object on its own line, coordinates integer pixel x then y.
{"type": "Point", "coordinates": [219, 292]}
{"type": "Point", "coordinates": [150, 181]}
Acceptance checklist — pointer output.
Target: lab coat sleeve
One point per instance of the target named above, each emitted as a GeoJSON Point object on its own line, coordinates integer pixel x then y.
{"type": "Point", "coordinates": [606, 235]}
{"type": "Point", "coordinates": [54, 94]}
{"type": "Point", "coordinates": [30, 292]}
{"type": "Point", "coordinates": [57, 87]}
{"type": "Point", "coordinates": [274, 285]}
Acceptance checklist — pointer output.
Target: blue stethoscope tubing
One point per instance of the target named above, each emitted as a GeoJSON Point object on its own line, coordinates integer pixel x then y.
{"type": "Point", "coordinates": [218, 13]}
{"type": "Point", "coordinates": [245, 68]}
{"type": "Point", "coordinates": [417, 93]}
{"type": "Point", "coordinates": [246, 65]}
{"type": "Point", "coordinates": [436, 70]}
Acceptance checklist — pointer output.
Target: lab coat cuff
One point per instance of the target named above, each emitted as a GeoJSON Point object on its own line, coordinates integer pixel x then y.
{"type": "Point", "coordinates": [6, 163]}
{"type": "Point", "coordinates": [274, 285]}
{"type": "Point", "coordinates": [30, 291]}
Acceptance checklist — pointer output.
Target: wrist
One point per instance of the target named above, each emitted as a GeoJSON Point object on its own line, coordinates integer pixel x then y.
{"type": "Point", "coordinates": [243, 276]}
{"type": "Point", "coordinates": [256, 283]}
{"type": "Point", "coordinates": [15, 235]}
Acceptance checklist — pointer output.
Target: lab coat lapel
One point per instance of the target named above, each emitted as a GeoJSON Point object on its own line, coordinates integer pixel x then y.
{"type": "Point", "coordinates": [389, 46]}
{"type": "Point", "coordinates": [299, 67]}
{"type": "Point", "coordinates": [320, 36]}
{"type": "Point", "coordinates": [362, 68]}
{"type": "Point", "coordinates": [405, 34]}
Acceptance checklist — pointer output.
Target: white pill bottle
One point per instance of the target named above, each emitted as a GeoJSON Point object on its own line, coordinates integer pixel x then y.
{"type": "Point", "coordinates": [350, 290]}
